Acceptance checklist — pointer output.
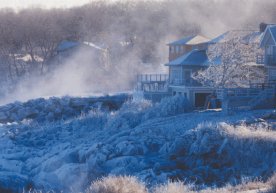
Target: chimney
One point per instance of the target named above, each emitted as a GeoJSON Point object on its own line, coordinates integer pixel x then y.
{"type": "Point", "coordinates": [263, 26]}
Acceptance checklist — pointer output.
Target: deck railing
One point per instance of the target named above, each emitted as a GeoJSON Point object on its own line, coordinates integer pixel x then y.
{"type": "Point", "coordinates": [242, 92]}
{"type": "Point", "coordinates": [148, 78]}
{"type": "Point", "coordinates": [260, 59]}
{"type": "Point", "coordinates": [152, 82]}
{"type": "Point", "coordinates": [184, 82]}
{"type": "Point", "coordinates": [268, 59]}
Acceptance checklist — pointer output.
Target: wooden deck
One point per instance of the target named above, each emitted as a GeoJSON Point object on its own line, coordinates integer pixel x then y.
{"type": "Point", "coordinates": [257, 96]}
{"type": "Point", "coordinates": [152, 78]}
{"type": "Point", "coordinates": [152, 82]}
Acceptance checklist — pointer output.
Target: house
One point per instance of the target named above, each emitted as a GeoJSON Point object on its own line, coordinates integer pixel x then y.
{"type": "Point", "coordinates": [189, 55]}
{"type": "Point", "coordinates": [260, 95]}
{"type": "Point", "coordinates": [81, 52]}
{"type": "Point", "coordinates": [268, 43]}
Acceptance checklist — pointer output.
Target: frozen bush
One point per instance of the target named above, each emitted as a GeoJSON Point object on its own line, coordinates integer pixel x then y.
{"type": "Point", "coordinates": [129, 116]}
{"type": "Point", "coordinates": [120, 184]}
{"type": "Point", "coordinates": [132, 113]}
{"type": "Point", "coordinates": [169, 106]}
{"type": "Point", "coordinates": [272, 184]}
{"type": "Point", "coordinates": [173, 187]}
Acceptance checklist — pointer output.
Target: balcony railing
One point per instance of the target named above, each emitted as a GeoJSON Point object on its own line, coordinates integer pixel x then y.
{"type": "Point", "coordinates": [260, 59]}
{"type": "Point", "coordinates": [152, 82]}
{"type": "Point", "coordinates": [184, 82]}
{"type": "Point", "coordinates": [241, 92]}
{"type": "Point", "coordinates": [268, 59]}
{"type": "Point", "coordinates": [151, 78]}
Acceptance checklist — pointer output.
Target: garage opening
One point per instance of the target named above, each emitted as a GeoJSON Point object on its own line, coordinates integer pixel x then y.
{"type": "Point", "coordinates": [200, 99]}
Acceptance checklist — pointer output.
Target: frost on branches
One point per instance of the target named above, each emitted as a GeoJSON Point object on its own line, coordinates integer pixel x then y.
{"type": "Point", "coordinates": [237, 62]}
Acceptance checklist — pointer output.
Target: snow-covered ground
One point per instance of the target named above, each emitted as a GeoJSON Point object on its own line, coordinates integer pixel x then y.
{"type": "Point", "coordinates": [67, 149]}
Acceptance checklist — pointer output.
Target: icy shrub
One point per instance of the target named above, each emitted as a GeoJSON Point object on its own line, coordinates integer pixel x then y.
{"type": "Point", "coordinates": [129, 116]}
{"type": "Point", "coordinates": [272, 183]}
{"type": "Point", "coordinates": [173, 187]}
{"type": "Point", "coordinates": [120, 184]}
{"type": "Point", "coordinates": [170, 106]}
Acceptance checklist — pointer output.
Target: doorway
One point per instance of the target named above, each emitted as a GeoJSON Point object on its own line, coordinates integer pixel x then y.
{"type": "Point", "coordinates": [200, 99]}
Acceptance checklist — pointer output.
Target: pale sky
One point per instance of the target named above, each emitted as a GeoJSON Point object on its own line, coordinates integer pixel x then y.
{"type": "Point", "coordinates": [18, 4]}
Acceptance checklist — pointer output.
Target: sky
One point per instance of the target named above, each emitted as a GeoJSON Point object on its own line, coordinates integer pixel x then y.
{"type": "Point", "coordinates": [19, 4]}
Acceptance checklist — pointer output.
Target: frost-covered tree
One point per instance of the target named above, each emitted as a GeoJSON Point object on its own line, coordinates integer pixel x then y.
{"type": "Point", "coordinates": [233, 62]}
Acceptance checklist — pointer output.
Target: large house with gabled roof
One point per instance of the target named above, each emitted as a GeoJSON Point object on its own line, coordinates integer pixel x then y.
{"type": "Point", "coordinates": [189, 55]}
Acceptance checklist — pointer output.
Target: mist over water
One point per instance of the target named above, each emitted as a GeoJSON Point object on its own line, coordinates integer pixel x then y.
{"type": "Point", "coordinates": [135, 33]}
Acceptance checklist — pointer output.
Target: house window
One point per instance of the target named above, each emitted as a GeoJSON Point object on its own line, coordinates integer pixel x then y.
{"type": "Point", "coordinates": [187, 76]}
{"type": "Point", "coordinates": [177, 49]}
{"type": "Point", "coordinates": [272, 74]}
{"type": "Point", "coordinates": [175, 74]}
{"type": "Point", "coordinates": [181, 49]}
{"type": "Point", "coordinates": [172, 49]}
{"type": "Point", "coordinates": [269, 50]}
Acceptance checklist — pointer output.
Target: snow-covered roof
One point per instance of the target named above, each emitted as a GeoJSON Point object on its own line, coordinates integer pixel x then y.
{"type": "Point", "coordinates": [66, 44]}
{"type": "Point", "coordinates": [269, 36]}
{"type": "Point", "coordinates": [94, 45]}
{"type": "Point", "coordinates": [191, 40]}
{"type": "Point", "coordinates": [194, 57]}
{"type": "Point", "coordinates": [248, 36]}
{"type": "Point", "coordinates": [220, 38]}
{"type": "Point", "coordinates": [273, 31]}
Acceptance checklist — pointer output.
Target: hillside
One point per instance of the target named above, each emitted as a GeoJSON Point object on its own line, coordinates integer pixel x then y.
{"type": "Point", "coordinates": [155, 143]}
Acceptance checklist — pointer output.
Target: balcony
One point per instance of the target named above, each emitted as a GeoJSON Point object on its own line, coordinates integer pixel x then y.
{"type": "Point", "coordinates": [152, 82]}
{"type": "Point", "coordinates": [152, 78]}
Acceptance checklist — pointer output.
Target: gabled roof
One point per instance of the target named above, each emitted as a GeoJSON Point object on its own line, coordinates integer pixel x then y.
{"type": "Point", "coordinates": [220, 38]}
{"type": "Point", "coordinates": [271, 32]}
{"type": "Point", "coordinates": [191, 40]}
{"type": "Point", "coordinates": [195, 57]}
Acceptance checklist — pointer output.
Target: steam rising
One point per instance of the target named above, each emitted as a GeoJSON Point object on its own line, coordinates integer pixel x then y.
{"type": "Point", "coordinates": [136, 38]}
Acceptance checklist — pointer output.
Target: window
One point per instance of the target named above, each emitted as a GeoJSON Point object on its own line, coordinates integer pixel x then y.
{"type": "Point", "coordinates": [272, 74]}
{"type": "Point", "coordinates": [269, 50]}
{"type": "Point", "coordinates": [187, 76]}
{"type": "Point", "coordinates": [181, 49]}
{"type": "Point", "coordinates": [177, 49]}
{"type": "Point", "coordinates": [175, 75]}
{"type": "Point", "coordinates": [171, 49]}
